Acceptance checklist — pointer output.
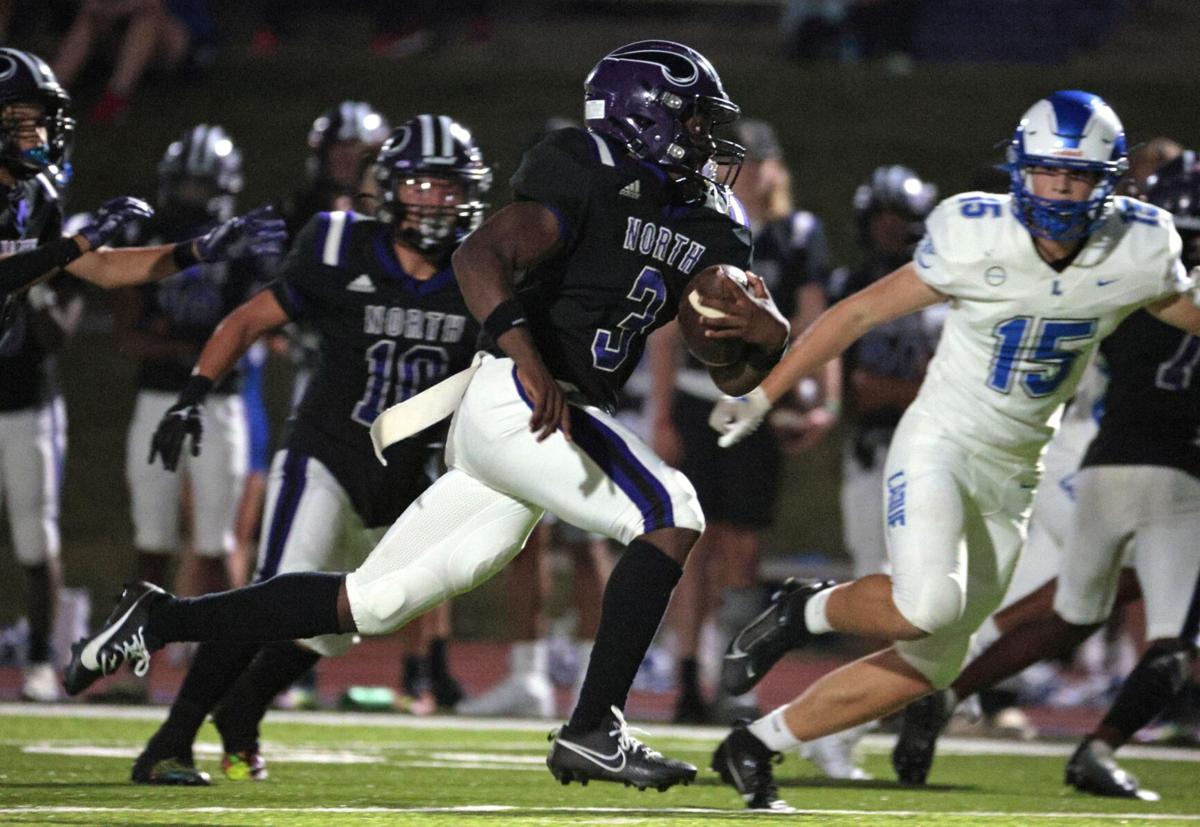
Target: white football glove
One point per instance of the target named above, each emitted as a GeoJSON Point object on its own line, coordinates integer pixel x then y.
{"type": "Point", "coordinates": [736, 417]}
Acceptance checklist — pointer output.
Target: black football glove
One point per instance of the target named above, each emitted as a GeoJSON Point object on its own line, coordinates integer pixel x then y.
{"type": "Point", "coordinates": [183, 419]}
{"type": "Point", "coordinates": [256, 233]}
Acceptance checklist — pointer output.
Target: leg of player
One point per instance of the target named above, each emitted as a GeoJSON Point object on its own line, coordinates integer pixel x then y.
{"type": "Point", "coordinates": [688, 611]}
{"type": "Point", "coordinates": [276, 667]}
{"type": "Point", "coordinates": [167, 757]}
{"type": "Point", "coordinates": [1167, 562]}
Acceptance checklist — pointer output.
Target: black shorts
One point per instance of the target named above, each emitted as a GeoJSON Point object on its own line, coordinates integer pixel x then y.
{"type": "Point", "coordinates": [379, 493]}
{"type": "Point", "coordinates": [737, 485]}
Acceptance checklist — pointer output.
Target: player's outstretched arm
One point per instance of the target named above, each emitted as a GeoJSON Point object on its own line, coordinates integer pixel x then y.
{"type": "Point", "coordinates": [232, 338]}
{"type": "Point", "coordinates": [257, 233]}
{"type": "Point", "coordinates": [895, 295]}
{"type": "Point", "coordinates": [515, 238]}
{"type": "Point", "coordinates": [1180, 311]}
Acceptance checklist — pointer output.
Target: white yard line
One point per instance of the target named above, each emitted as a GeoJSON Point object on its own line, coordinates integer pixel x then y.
{"type": "Point", "coordinates": [949, 745]}
{"type": "Point", "coordinates": [646, 811]}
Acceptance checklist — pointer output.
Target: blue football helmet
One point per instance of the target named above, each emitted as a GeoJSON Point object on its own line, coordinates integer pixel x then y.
{"type": "Point", "coordinates": [1069, 130]}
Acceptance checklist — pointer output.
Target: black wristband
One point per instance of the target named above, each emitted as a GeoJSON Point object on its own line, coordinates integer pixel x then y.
{"type": "Point", "coordinates": [184, 255]}
{"type": "Point", "coordinates": [195, 391]}
{"type": "Point", "coordinates": [507, 315]}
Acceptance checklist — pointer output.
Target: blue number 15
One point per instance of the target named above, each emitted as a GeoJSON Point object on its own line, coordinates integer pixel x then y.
{"type": "Point", "coordinates": [1044, 347]}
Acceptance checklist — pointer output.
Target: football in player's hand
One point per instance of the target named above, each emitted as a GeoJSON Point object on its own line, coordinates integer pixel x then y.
{"type": "Point", "coordinates": [715, 282]}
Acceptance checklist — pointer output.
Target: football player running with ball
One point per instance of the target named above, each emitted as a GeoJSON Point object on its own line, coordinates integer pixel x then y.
{"type": "Point", "coordinates": [1034, 280]}
{"type": "Point", "coordinates": [609, 225]}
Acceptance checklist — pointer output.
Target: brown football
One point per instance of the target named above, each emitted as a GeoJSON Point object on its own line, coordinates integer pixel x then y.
{"type": "Point", "coordinates": [711, 282]}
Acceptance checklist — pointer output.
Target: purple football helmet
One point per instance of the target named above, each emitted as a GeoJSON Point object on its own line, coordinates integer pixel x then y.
{"type": "Point", "coordinates": [440, 147]}
{"type": "Point", "coordinates": [646, 96]}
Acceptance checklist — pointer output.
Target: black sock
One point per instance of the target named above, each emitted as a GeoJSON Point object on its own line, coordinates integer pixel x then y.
{"type": "Point", "coordinates": [277, 666]}
{"type": "Point", "coordinates": [635, 601]}
{"type": "Point", "coordinates": [39, 646]}
{"type": "Point", "coordinates": [438, 668]}
{"type": "Point", "coordinates": [215, 667]}
{"type": "Point", "coordinates": [689, 677]}
{"type": "Point", "coordinates": [285, 607]}
{"type": "Point", "coordinates": [416, 676]}
{"type": "Point", "coordinates": [1157, 678]}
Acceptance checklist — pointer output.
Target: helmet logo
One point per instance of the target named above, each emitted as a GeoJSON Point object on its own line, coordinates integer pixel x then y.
{"type": "Point", "coordinates": [8, 67]}
{"type": "Point", "coordinates": [678, 69]}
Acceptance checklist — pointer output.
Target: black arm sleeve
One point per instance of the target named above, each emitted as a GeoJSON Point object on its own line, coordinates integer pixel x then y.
{"type": "Point", "coordinates": [22, 269]}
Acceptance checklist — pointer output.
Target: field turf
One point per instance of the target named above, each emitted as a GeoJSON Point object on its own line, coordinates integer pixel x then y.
{"type": "Point", "coordinates": [70, 765]}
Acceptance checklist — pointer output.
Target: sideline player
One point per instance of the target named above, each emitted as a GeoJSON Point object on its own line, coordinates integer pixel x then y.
{"type": "Point", "coordinates": [35, 131]}
{"type": "Point", "coordinates": [1034, 279]}
{"type": "Point", "coordinates": [1138, 508]}
{"type": "Point", "coordinates": [390, 321]}
{"type": "Point", "coordinates": [164, 326]}
{"type": "Point", "coordinates": [608, 227]}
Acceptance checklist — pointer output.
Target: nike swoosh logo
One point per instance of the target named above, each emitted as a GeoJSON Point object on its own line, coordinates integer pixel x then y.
{"type": "Point", "coordinates": [597, 758]}
{"type": "Point", "coordinates": [89, 657]}
{"type": "Point", "coordinates": [1105, 282]}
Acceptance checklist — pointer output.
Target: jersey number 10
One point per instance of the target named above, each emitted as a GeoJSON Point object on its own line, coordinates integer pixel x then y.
{"type": "Point", "coordinates": [416, 369]}
{"type": "Point", "coordinates": [1043, 347]}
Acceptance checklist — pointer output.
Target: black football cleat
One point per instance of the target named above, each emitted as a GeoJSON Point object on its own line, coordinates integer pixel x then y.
{"type": "Point", "coordinates": [744, 763]}
{"type": "Point", "coordinates": [121, 640]}
{"type": "Point", "coordinates": [172, 771]}
{"type": "Point", "coordinates": [1093, 770]}
{"type": "Point", "coordinates": [780, 628]}
{"type": "Point", "coordinates": [611, 753]}
{"type": "Point", "coordinates": [921, 724]}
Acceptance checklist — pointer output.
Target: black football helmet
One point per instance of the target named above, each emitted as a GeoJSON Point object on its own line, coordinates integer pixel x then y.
{"type": "Point", "coordinates": [25, 78]}
{"type": "Point", "coordinates": [1175, 186]}
{"type": "Point", "coordinates": [206, 158]}
{"type": "Point", "coordinates": [896, 188]}
{"type": "Point", "coordinates": [432, 146]}
{"type": "Point", "coordinates": [349, 121]}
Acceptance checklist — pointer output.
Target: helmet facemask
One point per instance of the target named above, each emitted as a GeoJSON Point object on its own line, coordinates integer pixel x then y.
{"type": "Point", "coordinates": [34, 133]}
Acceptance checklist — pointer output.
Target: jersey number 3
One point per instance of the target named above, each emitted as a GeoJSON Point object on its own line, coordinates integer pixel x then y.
{"type": "Point", "coordinates": [1043, 347]}
{"type": "Point", "coordinates": [611, 347]}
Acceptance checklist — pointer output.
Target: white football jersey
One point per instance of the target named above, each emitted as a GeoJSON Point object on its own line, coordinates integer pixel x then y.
{"type": "Point", "coordinates": [1018, 333]}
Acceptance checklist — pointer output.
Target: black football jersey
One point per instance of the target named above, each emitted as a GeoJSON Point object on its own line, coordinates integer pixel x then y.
{"type": "Point", "coordinates": [187, 306]}
{"type": "Point", "coordinates": [629, 248]}
{"type": "Point", "coordinates": [899, 349]}
{"type": "Point", "coordinates": [383, 335]}
{"type": "Point", "coordinates": [1152, 405]}
{"type": "Point", "coordinates": [31, 217]}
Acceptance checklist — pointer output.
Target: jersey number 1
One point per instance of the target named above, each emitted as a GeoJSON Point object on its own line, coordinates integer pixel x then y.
{"type": "Point", "coordinates": [1043, 347]}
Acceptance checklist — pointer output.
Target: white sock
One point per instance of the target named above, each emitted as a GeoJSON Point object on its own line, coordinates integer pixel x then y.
{"type": "Point", "coordinates": [814, 612]}
{"type": "Point", "coordinates": [773, 731]}
{"type": "Point", "coordinates": [529, 657]}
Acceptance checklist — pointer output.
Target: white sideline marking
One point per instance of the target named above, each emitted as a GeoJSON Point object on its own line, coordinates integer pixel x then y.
{"type": "Point", "coordinates": [276, 753]}
{"type": "Point", "coordinates": [874, 744]}
{"type": "Point", "coordinates": [647, 811]}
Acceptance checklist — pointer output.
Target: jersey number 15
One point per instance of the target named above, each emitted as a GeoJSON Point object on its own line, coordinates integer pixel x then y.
{"type": "Point", "coordinates": [1043, 347]}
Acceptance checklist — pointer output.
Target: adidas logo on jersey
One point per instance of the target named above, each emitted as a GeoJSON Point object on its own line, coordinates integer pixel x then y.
{"type": "Point", "coordinates": [632, 190]}
{"type": "Point", "coordinates": [362, 284]}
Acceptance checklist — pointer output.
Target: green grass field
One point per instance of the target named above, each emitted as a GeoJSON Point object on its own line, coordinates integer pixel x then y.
{"type": "Point", "coordinates": [59, 768]}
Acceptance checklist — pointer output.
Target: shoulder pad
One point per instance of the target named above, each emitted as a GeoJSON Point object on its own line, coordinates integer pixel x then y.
{"type": "Point", "coordinates": [333, 233]}
{"type": "Point", "coordinates": [1146, 231]}
{"type": "Point", "coordinates": [722, 200]}
{"type": "Point", "coordinates": [965, 226]}
{"type": "Point", "coordinates": [583, 146]}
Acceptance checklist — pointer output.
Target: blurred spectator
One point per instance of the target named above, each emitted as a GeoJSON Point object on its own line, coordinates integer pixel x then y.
{"type": "Point", "coordinates": [849, 30]}
{"type": "Point", "coordinates": [1147, 159]}
{"type": "Point", "coordinates": [161, 34]}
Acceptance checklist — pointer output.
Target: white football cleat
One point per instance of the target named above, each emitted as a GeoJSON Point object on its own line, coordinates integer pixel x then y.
{"type": "Point", "coordinates": [528, 695]}
{"type": "Point", "coordinates": [41, 684]}
{"type": "Point", "coordinates": [834, 754]}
